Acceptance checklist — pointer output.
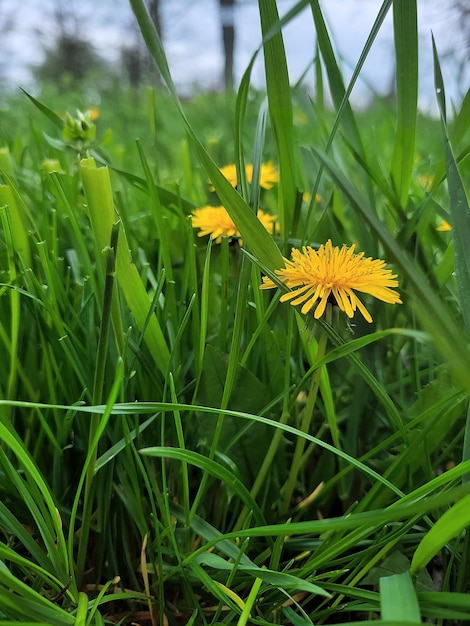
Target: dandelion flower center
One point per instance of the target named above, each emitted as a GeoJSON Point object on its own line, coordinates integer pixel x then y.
{"type": "Point", "coordinates": [313, 276]}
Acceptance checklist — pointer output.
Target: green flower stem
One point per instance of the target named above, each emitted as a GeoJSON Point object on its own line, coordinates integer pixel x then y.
{"type": "Point", "coordinates": [306, 421]}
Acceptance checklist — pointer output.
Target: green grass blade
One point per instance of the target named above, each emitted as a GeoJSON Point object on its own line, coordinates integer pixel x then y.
{"type": "Point", "coordinates": [445, 604]}
{"type": "Point", "coordinates": [450, 525]}
{"type": "Point", "coordinates": [280, 110]}
{"type": "Point", "coordinates": [364, 522]}
{"type": "Point", "coordinates": [398, 601]}
{"type": "Point", "coordinates": [53, 117]}
{"type": "Point", "coordinates": [277, 579]}
{"type": "Point", "coordinates": [459, 206]}
{"type": "Point", "coordinates": [39, 500]}
{"type": "Point", "coordinates": [211, 467]}
{"type": "Point", "coordinates": [406, 58]}
{"type": "Point", "coordinates": [250, 602]}
{"type": "Point", "coordinates": [18, 599]}
{"type": "Point", "coordinates": [344, 113]}
{"type": "Point", "coordinates": [335, 79]}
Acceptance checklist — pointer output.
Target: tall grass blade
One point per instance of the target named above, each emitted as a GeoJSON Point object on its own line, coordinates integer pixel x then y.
{"type": "Point", "coordinates": [405, 26]}
{"type": "Point", "coordinates": [53, 117]}
{"type": "Point", "coordinates": [335, 79]}
{"type": "Point", "coordinates": [280, 110]}
{"type": "Point", "coordinates": [37, 495]}
{"type": "Point", "coordinates": [459, 206]}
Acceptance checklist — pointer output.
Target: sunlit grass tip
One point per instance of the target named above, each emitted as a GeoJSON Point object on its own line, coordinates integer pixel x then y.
{"type": "Point", "coordinates": [316, 276]}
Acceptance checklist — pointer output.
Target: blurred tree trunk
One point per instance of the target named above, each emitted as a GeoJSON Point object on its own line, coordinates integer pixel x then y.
{"type": "Point", "coordinates": [135, 56]}
{"type": "Point", "coordinates": [462, 8]}
{"type": "Point", "coordinates": [154, 12]}
{"type": "Point", "coordinates": [227, 18]}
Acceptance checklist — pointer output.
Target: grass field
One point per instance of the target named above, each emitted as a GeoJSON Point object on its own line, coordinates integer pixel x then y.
{"type": "Point", "coordinates": [179, 446]}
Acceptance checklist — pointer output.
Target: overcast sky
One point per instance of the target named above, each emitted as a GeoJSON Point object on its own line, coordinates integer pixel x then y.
{"type": "Point", "coordinates": [191, 31]}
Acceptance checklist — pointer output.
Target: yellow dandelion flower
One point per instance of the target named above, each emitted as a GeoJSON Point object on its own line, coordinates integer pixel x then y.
{"type": "Point", "coordinates": [315, 275]}
{"type": "Point", "coordinates": [216, 222]}
{"type": "Point", "coordinates": [307, 197]}
{"type": "Point", "coordinates": [425, 181]}
{"type": "Point", "coordinates": [230, 173]}
{"type": "Point", "coordinates": [444, 226]}
{"type": "Point", "coordinates": [269, 174]}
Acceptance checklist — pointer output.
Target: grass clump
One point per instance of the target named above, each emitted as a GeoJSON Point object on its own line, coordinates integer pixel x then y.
{"type": "Point", "coordinates": [181, 447]}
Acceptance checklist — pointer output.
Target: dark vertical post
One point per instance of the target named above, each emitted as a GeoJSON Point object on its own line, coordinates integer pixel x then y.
{"type": "Point", "coordinates": [154, 12]}
{"type": "Point", "coordinates": [227, 19]}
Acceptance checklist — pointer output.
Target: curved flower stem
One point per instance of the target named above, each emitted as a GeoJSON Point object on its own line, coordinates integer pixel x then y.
{"type": "Point", "coordinates": [306, 421]}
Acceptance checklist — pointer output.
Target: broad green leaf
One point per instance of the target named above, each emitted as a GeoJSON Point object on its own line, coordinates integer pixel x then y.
{"type": "Point", "coordinates": [398, 599]}
{"type": "Point", "coordinates": [19, 234]}
{"type": "Point", "coordinates": [97, 185]}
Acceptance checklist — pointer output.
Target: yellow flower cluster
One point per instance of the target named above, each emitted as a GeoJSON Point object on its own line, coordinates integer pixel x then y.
{"type": "Point", "coordinates": [268, 177]}
{"type": "Point", "coordinates": [216, 221]}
